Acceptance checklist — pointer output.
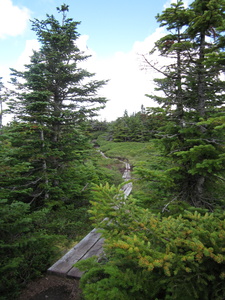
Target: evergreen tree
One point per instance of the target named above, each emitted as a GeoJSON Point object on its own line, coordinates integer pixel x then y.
{"type": "Point", "coordinates": [138, 127]}
{"type": "Point", "coordinates": [26, 248]}
{"type": "Point", "coordinates": [175, 47]}
{"type": "Point", "coordinates": [194, 98]}
{"type": "Point", "coordinates": [51, 105]}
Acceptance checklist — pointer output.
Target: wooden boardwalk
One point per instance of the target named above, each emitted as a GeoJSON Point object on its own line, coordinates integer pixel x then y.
{"type": "Point", "coordinates": [89, 246]}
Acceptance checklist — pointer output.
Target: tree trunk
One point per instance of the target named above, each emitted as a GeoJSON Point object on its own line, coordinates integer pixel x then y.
{"type": "Point", "coordinates": [44, 167]}
{"type": "Point", "coordinates": [201, 79]}
{"type": "Point", "coordinates": [179, 100]}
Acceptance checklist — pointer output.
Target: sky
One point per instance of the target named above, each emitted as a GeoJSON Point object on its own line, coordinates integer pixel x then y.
{"type": "Point", "coordinates": [116, 34]}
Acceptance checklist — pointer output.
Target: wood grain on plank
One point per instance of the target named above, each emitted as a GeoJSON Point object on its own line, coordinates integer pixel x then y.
{"type": "Point", "coordinates": [96, 250]}
{"type": "Point", "coordinates": [63, 265]}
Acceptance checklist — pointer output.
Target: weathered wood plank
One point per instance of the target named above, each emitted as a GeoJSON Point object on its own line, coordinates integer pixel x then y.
{"type": "Point", "coordinates": [63, 265]}
{"type": "Point", "coordinates": [89, 246]}
{"type": "Point", "coordinates": [127, 173]}
{"type": "Point", "coordinates": [127, 188]}
{"type": "Point", "coordinates": [96, 250]}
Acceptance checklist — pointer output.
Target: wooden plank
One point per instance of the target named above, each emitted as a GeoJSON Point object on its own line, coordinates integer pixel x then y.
{"type": "Point", "coordinates": [97, 249]}
{"type": "Point", "coordinates": [63, 265]}
{"type": "Point", "coordinates": [127, 188]}
{"type": "Point", "coordinates": [127, 174]}
{"type": "Point", "coordinates": [90, 245]}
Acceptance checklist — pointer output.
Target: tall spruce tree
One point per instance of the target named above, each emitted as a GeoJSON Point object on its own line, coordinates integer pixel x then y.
{"type": "Point", "coordinates": [51, 105]}
{"type": "Point", "coordinates": [194, 98]}
{"type": "Point", "coordinates": [174, 46]}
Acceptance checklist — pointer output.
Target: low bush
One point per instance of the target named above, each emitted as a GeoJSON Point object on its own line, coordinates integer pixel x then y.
{"type": "Point", "coordinates": [26, 249]}
{"type": "Point", "coordinates": [149, 256]}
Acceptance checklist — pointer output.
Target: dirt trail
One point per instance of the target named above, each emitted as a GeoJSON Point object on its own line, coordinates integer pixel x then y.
{"type": "Point", "coordinates": [52, 288]}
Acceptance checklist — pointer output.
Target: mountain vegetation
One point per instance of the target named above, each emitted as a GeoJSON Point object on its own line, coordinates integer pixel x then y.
{"type": "Point", "coordinates": [163, 244]}
{"type": "Point", "coordinates": [47, 160]}
{"type": "Point", "coordinates": [166, 240]}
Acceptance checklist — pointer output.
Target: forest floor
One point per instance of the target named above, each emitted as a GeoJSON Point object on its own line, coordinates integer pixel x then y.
{"type": "Point", "coordinates": [51, 287]}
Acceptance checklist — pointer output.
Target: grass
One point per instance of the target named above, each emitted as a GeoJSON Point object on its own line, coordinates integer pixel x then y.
{"type": "Point", "coordinates": [148, 168]}
{"type": "Point", "coordinates": [134, 152]}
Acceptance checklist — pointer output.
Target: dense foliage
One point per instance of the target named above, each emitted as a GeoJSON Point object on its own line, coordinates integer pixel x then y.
{"type": "Point", "coordinates": [167, 242]}
{"type": "Point", "coordinates": [51, 101]}
{"type": "Point", "coordinates": [137, 127]}
{"type": "Point", "coordinates": [26, 248]}
{"type": "Point", "coordinates": [149, 256]}
{"type": "Point", "coordinates": [47, 160]}
{"type": "Point", "coordinates": [192, 97]}
{"type": "Point", "coordinates": [177, 253]}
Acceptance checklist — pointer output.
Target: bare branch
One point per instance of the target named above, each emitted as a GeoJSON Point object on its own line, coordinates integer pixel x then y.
{"type": "Point", "coordinates": [156, 69]}
{"type": "Point", "coordinates": [223, 179]}
{"type": "Point", "coordinates": [165, 207]}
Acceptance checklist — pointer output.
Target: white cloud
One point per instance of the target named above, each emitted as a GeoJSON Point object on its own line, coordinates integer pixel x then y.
{"type": "Point", "coordinates": [13, 19]}
{"type": "Point", "coordinates": [24, 58]}
{"type": "Point", "coordinates": [82, 42]}
{"type": "Point", "coordinates": [130, 78]}
{"type": "Point", "coordinates": [129, 82]}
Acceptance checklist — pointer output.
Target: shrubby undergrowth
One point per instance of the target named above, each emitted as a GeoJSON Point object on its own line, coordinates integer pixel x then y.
{"type": "Point", "coordinates": [26, 249]}
{"type": "Point", "coordinates": [152, 256]}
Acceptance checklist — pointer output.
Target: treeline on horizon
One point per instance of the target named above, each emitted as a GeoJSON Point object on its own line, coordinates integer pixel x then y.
{"type": "Point", "coordinates": [167, 240]}
{"type": "Point", "coordinates": [141, 126]}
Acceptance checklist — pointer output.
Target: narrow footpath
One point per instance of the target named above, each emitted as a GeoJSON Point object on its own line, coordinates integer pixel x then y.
{"type": "Point", "coordinates": [89, 246]}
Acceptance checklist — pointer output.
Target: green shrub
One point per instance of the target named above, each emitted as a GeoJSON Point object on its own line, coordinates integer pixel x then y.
{"type": "Point", "coordinates": [150, 256]}
{"type": "Point", "coordinates": [26, 249]}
